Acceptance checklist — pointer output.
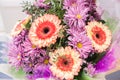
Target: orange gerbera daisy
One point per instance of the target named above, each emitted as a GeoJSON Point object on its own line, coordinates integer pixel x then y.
{"type": "Point", "coordinates": [100, 35]}
{"type": "Point", "coordinates": [20, 26]}
{"type": "Point", "coordinates": [65, 63]}
{"type": "Point", "coordinates": [44, 30]}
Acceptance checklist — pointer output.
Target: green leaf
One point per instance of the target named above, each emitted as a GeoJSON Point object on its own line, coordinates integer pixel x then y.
{"type": "Point", "coordinates": [83, 76]}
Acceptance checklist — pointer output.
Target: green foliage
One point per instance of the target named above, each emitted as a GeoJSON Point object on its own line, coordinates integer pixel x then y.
{"type": "Point", "coordinates": [56, 8]}
{"type": "Point", "coordinates": [28, 25]}
{"type": "Point", "coordinates": [83, 76]}
{"type": "Point", "coordinates": [94, 58]}
{"type": "Point", "coordinates": [33, 10]}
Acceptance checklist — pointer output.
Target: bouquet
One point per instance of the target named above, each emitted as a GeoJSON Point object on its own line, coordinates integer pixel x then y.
{"type": "Point", "coordinates": [64, 40]}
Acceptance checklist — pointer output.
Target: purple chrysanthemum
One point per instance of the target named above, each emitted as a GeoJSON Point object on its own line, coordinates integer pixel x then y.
{"type": "Point", "coordinates": [30, 47]}
{"type": "Point", "coordinates": [41, 4]}
{"type": "Point", "coordinates": [80, 42]}
{"type": "Point", "coordinates": [33, 58]}
{"type": "Point", "coordinates": [93, 13]}
{"type": "Point", "coordinates": [72, 3]}
{"type": "Point", "coordinates": [16, 50]}
{"type": "Point", "coordinates": [42, 71]}
{"type": "Point", "coordinates": [76, 16]}
{"type": "Point", "coordinates": [90, 69]}
{"type": "Point", "coordinates": [20, 38]}
{"type": "Point", "coordinates": [15, 55]}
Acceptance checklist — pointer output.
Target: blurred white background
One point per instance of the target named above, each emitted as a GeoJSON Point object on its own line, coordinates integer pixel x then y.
{"type": "Point", "coordinates": [11, 11]}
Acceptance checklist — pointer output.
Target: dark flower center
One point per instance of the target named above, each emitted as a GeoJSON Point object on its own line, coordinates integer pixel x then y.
{"type": "Point", "coordinates": [97, 36]}
{"type": "Point", "coordinates": [46, 30]}
{"type": "Point", "coordinates": [65, 62]}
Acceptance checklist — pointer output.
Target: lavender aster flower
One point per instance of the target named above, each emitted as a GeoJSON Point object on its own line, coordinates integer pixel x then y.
{"type": "Point", "coordinates": [41, 4]}
{"type": "Point", "coordinates": [20, 38]}
{"type": "Point", "coordinates": [34, 58]}
{"type": "Point", "coordinates": [72, 3]}
{"type": "Point", "coordinates": [30, 47]}
{"type": "Point", "coordinates": [16, 50]}
{"type": "Point", "coordinates": [93, 13]}
{"type": "Point", "coordinates": [76, 16]}
{"type": "Point", "coordinates": [42, 71]}
{"type": "Point", "coordinates": [15, 55]}
{"type": "Point", "coordinates": [90, 69]}
{"type": "Point", "coordinates": [80, 42]}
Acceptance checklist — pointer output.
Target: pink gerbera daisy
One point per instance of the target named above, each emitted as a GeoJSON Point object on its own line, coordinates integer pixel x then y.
{"type": "Point", "coordinates": [44, 30]}
{"type": "Point", "coordinates": [65, 63]}
{"type": "Point", "coordinates": [100, 35]}
{"type": "Point", "coordinates": [20, 26]}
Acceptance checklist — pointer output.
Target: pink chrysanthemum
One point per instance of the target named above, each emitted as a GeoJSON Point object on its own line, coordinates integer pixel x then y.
{"type": "Point", "coordinates": [79, 41]}
{"type": "Point", "coordinates": [100, 35]}
{"type": "Point", "coordinates": [65, 63]}
{"type": "Point", "coordinates": [44, 30]}
{"type": "Point", "coordinates": [15, 55]}
{"type": "Point", "coordinates": [76, 16]}
{"type": "Point", "coordinates": [72, 3]}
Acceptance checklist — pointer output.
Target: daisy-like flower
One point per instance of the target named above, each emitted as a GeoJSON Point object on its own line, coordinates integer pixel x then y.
{"type": "Point", "coordinates": [20, 26]}
{"type": "Point", "coordinates": [80, 42]}
{"type": "Point", "coordinates": [15, 55]}
{"type": "Point", "coordinates": [41, 4]}
{"type": "Point", "coordinates": [100, 35]}
{"type": "Point", "coordinates": [16, 50]}
{"type": "Point", "coordinates": [65, 63]}
{"type": "Point", "coordinates": [34, 58]}
{"type": "Point", "coordinates": [44, 30]}
{"type": "Point", "coordinates": [90, 69]}
{"type": "Point", "coordinates": [72, 3]}
{"type": "Point", "coordinates": [42, 71]}
{"type": "Point", "coordinates": [76, 16]}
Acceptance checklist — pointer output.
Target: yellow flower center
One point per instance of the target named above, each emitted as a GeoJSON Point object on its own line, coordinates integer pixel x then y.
{"type": "Point", "coordinates": [74, 4]}
{"type": "Point", "coordinates": [33, 46]}
{"type": "Point", "coordinates": [46, 61]}
{"type": "Point", "coordinates": [78, 16]}
{"type": "Point", "coordinates": [30, 64]}
{"type": "Point", "coordinates": [18, 57]}
{"type": "Point", "coordinates": [79, 45]}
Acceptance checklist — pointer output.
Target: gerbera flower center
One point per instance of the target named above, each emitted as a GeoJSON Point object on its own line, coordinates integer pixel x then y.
{"type": "Point", "coordinates": [98, 35]}
{"type": "Point", "coordinates": [78, 16]}
{"type": "Point", "coordinates": [65, 63]}
{"type": "Point", "coordinates": [45, 30]}
{"type": "Point", "coordinates": [79, 45]}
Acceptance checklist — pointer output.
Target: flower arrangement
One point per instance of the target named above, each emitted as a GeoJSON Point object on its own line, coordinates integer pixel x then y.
{"type": "Point", "coordinates": [62, 40]}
